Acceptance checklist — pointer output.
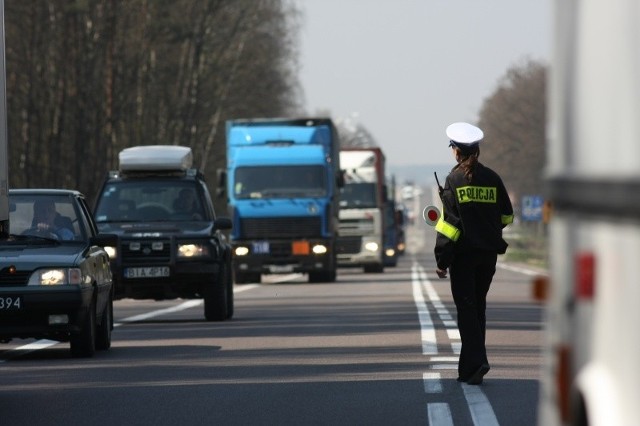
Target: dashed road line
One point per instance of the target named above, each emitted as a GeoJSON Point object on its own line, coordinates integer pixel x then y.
{"type": "Point", "coordinates": [432, 382]}
{"type": "Point", "coordinates": [439, 413]}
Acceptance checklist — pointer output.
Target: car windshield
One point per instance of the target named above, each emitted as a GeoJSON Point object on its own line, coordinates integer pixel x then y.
{"type": "Point", "coordinates": [279, 182]}
{"type": "Point", "coordinates": [148, 201]}
{"type": "Point", "coordinates": [46, 216]}
{"type": "Point", "coordinates": [358, 195]}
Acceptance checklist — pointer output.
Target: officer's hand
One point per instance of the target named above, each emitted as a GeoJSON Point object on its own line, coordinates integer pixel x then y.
{"type": "Point", "coordinates": [442, 273]}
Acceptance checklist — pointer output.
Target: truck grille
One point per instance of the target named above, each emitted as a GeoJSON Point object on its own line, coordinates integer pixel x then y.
{"type": "Point", "coordinates": [356, 227]}
{"type": "Point", "coordinates": [349, 245]}
{"type": "Point", "coordinates": [281, 227]}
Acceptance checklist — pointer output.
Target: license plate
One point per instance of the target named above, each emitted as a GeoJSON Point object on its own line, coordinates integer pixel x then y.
{"type": "Point", "coordinates": [147, 272]}
{"type": "Point", "coordinates": [10, 303]}
{"type": "Point", "coordinates": [261, 247]}
{"type": "Point", "coordinates": [280, 269]}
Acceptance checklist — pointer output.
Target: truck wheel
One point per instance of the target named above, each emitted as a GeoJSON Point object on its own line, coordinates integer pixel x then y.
{"type": "Point", "coordinates": [103, 336]}
{"type": "Point", "coordinates": [376, 268]}
{"type": "Point", "coordinates": [322, 277]}
{"type": "Point", "coordinates": [83, 342]}
{"type": "Point", "coordinates": [215, 297]}
{"type": "Point", "coordinates": [240, 277]}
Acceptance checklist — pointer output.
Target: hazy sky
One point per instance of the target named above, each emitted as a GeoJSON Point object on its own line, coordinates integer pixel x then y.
{"type": "Point", "coordinates": [408, 68]}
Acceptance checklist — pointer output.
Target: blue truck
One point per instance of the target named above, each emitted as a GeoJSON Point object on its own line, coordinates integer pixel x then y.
{"type": "Point", "coordinates": [282, 181]}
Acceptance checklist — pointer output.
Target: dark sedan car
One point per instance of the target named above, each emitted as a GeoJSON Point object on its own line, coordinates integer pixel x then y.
{"type": "Point", "coordinates": [55, 280]}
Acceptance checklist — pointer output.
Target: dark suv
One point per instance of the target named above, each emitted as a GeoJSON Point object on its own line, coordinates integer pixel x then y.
{"type": "Point", "coordinates": [170, 240]}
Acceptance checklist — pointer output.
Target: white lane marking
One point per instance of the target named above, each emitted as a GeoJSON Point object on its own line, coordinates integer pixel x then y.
{"type": "Point", "coordinates": [444, 366]}
{"type": "Point", "coordinates": [28, 348]}
{"type": "Point", "coordinates": [453, 333]}
{"type": "Point", "coordinates": [245, 288]}
{"type": "Point", "coordinates": [439, 414]}
{"type": "Point", "coordinates": [481, 411]}
{"type": "Point", "coordinates": [444, 358]}
{"type": "Point", "coordinates": [45, 343]}
{"type": "Point", "coordinates": [520, 270]}
{"type": "Point", "coordinates": [181, 307]}
{"type": "Point", "coordinates": [432, 383]}
{"type": "Point", "coordinates": [427, 330]}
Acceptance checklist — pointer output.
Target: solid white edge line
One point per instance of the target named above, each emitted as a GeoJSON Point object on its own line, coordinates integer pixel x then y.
{"type": "Point", "coordinates": [427, 330]}
{"type": "Point", "coordinates": [520, 269]}
{"type": "Point", "coordinates": [481, 411]}
{"type": "Point", "coordinates": [439, 414]}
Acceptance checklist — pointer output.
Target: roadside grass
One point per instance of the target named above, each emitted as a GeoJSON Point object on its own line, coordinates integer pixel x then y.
{"type": "Point", "coordinates": [527, 245]}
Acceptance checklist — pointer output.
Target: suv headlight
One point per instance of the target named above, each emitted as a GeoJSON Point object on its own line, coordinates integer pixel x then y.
{"type": "Point", "coordinates": [193, 250]}
{"type": "Point", "coordinates": [58, 276]}
{"type": "Point", "coordinates": [111, 251]}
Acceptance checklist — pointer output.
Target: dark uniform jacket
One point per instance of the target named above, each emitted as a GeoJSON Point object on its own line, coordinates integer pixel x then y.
{"type": "Point", "coordinates": [474, 214]}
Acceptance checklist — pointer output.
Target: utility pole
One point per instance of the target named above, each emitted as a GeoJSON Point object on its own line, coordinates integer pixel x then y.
{"type": "Point", "coordinates": [4, 163]}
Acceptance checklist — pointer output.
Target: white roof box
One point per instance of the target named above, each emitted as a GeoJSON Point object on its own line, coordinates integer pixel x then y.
{"type": "Point", "coordinates": [155, 157]}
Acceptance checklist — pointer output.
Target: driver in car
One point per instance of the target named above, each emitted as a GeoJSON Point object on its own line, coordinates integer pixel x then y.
{"type": "Point", "coordinates": [46, 219]}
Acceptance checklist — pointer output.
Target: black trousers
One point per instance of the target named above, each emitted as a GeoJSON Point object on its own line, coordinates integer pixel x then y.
{"type": "Point", "coordinates": [471, 275]}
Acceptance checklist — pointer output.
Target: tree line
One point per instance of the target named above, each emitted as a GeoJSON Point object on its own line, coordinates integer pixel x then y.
{"type": "Point", "coordinates": [88, 78]}
{"type": "Point", "coordinates": [513, 119]}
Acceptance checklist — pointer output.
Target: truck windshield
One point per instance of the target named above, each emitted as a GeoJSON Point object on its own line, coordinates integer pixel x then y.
{"type": "Point", "coordinates": [149, 200]}
{"type": "Point", "coordinates": [279, 182]}
{"type": "Point", "coordinates": [358, 195]}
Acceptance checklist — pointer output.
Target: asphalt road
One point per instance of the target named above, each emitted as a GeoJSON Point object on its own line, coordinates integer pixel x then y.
{"type": "Point", "coordinates": [369, 349]}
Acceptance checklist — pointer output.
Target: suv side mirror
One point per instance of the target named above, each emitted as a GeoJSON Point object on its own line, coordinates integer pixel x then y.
{"type": "Point", "coordinates": [222, 223]}
{"type": "Point", "coordinates": [104, 240]}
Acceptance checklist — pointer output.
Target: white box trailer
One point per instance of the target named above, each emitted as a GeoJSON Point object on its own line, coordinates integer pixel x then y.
{"type": "Point", "coordinates": [592, 351]}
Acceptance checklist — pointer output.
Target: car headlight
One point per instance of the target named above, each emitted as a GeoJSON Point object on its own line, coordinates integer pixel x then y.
{"type": "Point", "coordinates": [111, 251]}
{"type": "Point", "coordinates": [58, 276]}
{"type": "Point", "coordinates": [193, 250]}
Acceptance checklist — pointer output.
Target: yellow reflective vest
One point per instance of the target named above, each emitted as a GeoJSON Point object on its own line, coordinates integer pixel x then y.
{"type": "Point", "coordinates": [474, 214]}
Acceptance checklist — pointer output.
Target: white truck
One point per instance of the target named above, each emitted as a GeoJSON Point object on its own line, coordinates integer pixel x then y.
{"type": "Point", "coordinates": [591, 372]}
{"type": "Point", "coordinates": [362, 204]}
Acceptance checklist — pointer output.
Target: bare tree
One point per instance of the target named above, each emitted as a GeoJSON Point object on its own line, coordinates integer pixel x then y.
{"type": "Point", "coordinates": [513, 119]}
{"type": "Point", "coordinates": [86, 79]}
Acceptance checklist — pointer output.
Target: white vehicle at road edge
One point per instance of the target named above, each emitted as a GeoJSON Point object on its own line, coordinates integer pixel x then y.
{"type": "Point", "coordinates": [593, 177]}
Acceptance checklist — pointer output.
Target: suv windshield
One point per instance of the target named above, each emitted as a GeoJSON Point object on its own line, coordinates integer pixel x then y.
{"type": "Point", "coordinates": [146, 200]}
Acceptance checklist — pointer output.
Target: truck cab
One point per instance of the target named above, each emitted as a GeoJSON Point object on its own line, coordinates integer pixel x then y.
{"type": "Point", "coordinates": [282, 183]}
{"type": "Point", "coordinates": [171, 244]}
{"type": "Point", "coordinates": [362, 209]}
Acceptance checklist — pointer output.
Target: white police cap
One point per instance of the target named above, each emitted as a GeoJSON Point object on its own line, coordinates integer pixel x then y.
{"type": "Point", "coordinates": [464, 134]}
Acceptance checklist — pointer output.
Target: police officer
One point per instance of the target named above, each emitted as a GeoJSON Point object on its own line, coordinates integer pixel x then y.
{"type": "Point", "coordinates": [476, 207]}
